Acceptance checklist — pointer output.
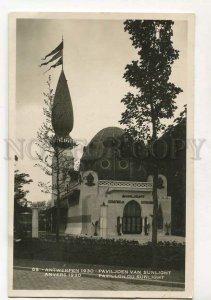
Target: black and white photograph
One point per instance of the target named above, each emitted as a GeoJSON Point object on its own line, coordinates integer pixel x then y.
{"type": "Point", "coordinates": [101, 178]}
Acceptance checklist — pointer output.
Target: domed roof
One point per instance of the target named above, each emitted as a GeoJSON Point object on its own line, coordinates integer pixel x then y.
{"type": "Point", "coordinates": [105, 137]}
{"type": "Point", "coordinates": [110, 154]}
{"type": "Point", "coordinates": [107, 132]}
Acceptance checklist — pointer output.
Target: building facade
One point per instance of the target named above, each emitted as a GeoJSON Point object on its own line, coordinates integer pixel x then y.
{"type": "Point", "coordinates": [111, 195]}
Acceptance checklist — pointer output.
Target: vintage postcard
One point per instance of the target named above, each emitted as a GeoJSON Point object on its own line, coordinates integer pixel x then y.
{"type": "Point", "coordinates": [101, 172]}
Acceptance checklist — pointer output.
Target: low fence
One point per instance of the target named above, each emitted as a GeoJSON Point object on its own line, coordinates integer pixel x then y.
{"type": "Point", "coordinates": [170, 255]}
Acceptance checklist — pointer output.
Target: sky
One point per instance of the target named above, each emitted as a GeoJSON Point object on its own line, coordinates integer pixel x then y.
{"type": "Point", "coordinates": [95, 55]}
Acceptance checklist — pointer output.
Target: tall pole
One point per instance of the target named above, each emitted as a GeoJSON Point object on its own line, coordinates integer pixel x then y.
{"type": "Point", "coordinates": [62, 52]}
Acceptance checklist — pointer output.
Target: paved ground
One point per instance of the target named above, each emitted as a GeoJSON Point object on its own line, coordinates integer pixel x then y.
{"type": "Point", "coordinates": [175, 276]}
{"type": "Point", "coordinates": [29, 280]}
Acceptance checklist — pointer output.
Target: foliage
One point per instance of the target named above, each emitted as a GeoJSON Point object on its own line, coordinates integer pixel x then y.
{"type": "Point", "coordinates": [20, 200]}
{"type": "Point", "coordinates": [149, 75]}
{"type": "Point", "coordinates": [154, 101]}
{"type": "Point", "coordinates": [21, 179]}
{"type": "Point", "coordinates": [104, 251]}
{"type": "Point", "coordinates": [174, 168]}
{"type": "Point", "coordinates": [48, 156]}
{"type": "Point", "coordinates": [44, 137]}
{"type": "Point", "coordinates": [179, 122]}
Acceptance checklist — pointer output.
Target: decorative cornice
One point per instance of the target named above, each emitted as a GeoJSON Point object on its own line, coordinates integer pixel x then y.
{"type": "Point", "coordinates": [126, 185]}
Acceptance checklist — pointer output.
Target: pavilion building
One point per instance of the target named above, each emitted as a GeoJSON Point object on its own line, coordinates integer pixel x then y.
{"type": "Point", "coordinates": [111, 193]}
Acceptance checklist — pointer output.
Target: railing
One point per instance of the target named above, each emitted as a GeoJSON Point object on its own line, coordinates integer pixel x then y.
{"type": "Point", "coordinates": [147, 186]}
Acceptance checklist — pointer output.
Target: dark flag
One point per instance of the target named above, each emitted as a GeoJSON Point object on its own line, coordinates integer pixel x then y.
{"type": "Point", "coordinates": [57, 53]}
{"type": "Point", "coordinates": [58, 48]}
{"type": "Point", "coordinates": [58, 63]}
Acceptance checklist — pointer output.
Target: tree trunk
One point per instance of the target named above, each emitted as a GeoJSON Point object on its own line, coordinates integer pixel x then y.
{"type": "Point", "coordinates": [58, 195]}
{"type": "Point", "coordinates": [57, 218]}
{"type": "Point", "coordinates": [154, 194]}
{"type": "Point", "coordinates": [154, 220]}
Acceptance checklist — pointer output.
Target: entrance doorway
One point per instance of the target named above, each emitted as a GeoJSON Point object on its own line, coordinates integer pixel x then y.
{"type": "Point", "coordinates": [131, 221]}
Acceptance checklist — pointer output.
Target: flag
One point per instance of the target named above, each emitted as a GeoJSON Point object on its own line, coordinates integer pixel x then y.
{"type": "Point", "coordinates": [58, 48]}
{"type": "Point", "coordinates": [56, 53]}
{"type": "Point", "coordinates": [58, 63]}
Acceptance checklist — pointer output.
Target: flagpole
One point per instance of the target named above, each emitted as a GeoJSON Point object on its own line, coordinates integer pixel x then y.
{"type": "Point", "coordinates": [62, 52]}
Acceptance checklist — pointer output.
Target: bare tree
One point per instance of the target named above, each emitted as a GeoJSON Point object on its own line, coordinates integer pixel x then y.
{"type": "Point", "coordinates": [53, 159]}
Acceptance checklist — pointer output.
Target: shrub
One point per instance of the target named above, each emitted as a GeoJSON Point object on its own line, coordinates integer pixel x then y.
{"type": "Point", "coordinates": [92, 250]}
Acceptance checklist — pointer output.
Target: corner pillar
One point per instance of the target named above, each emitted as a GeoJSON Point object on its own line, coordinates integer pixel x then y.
{"type": "Point", "coordinates": [35, 222]}
{"type": "Point", "coordinates": [103, 220]}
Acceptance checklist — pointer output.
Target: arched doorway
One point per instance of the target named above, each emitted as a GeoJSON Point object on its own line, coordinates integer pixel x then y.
{"type": "Point", "coordinates": [131, 221]}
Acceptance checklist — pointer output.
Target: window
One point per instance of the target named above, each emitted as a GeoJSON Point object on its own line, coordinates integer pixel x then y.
{"type": "Point", "coordinates": [105, 164]}
{"type": "Point", "coordinates": [123, 164]}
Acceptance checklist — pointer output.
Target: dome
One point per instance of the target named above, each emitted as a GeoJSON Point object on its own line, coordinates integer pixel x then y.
{"type": "Point", "coordinates": [108, 132]}
{"type": "Point", "coordinates": [110, 154]}
{"type": "Point", "coordinates": [97, 145]}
